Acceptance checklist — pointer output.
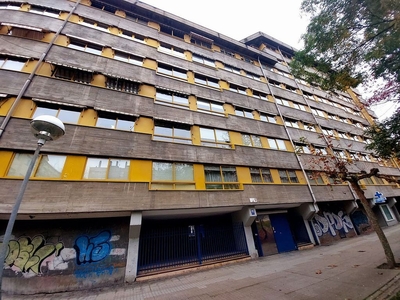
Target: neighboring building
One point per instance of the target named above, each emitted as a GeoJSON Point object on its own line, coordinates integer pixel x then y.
{"type": "Point", "coordinates": [183, 146]}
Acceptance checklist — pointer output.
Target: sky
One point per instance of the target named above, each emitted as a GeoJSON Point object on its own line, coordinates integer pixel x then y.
{"type": "Point", "coordinates": [239, 19]}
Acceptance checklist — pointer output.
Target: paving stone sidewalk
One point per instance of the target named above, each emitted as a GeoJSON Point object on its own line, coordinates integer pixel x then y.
{"type": "Point", "coordinates": [344, 270]}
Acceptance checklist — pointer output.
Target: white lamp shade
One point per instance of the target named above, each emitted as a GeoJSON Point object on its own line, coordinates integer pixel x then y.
{"type": "Point", "coordinates": [48, 128]}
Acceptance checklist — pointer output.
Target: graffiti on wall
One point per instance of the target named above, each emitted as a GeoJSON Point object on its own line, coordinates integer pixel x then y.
{"type": "Point", "coordinates": [92, 249]}
{"type": "Point", "coordinates": [330, 222]}
{"type": "Point", "coordinates": [31, 257]}
{"type": "Point", "coordinates": [27, 255]}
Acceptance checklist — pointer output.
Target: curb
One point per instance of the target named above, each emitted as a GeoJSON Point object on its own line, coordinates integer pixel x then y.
{"type": "Point", "coordinates": [388, 290]}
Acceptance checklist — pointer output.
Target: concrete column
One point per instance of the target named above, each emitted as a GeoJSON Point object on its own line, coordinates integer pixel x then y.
{"type": "Point", "coordinates": [247, 215]}
{"type": "Point", "coordinates": [133, 247]}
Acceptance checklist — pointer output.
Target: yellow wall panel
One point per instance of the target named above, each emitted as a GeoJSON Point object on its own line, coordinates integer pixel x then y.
{"type": "Point", "coordinates": [264, 141]}
{"type": "Point", "coordinates": [147, 91]}
{"type": "Point", "coordinates": [45, 69]}
{"type": "Point", "coordinates": [5, 105]}
{"type": "Point", "coordinates": [140, 170]}
{"type": "Point", "coordinates": [224, 85]}
{"type": "Point", "coordinates": [5, 160]}
{"type": "Point", "coordinates": [192, 102]}
{"type": "Point", "coordinates": [74, 168]}
{"type": "Point", "coordinates": [199, 176]}
{"type": "Point", "coordinates": [154, 25]}
{"type": "Point", "coordinates": [24, 109]}
{"type": "Point", "coordinates": [229, 109]}
{"type": "Point", "coordinates": [186, 38]}
{"type": "Point", "coordinates": [62, 40]}
{"type": "Point", "coordinates": [243, 174]}
{"type": "Point", "coordinates": [107, 52]}
{"type": "Point", "coordinates": [236, 138]}
{"type": "Point", "coordinates": [219, 64]}
{"type": "Point", "coordinates": [150, 64]}
{"type": "Point", "coordinates": [301, 177]}
{"type": "Point", "coordinates": [88, 117]}
{"type": "Point", "coordinates": [4, 29]}
{"type": "Point", "coordinates": [144, 125]}
{"type": "Point", "coordinates": [215, 48]}
{"type": "Point", "coordinates": [120, 13]}
{"type": "Point", "coordinates": [99, 80]}
{"type": "Point", "coordinates": [190, 76]}
{"type": "Point", "coordinates": [275, 176]}
{"type": "Point", "coordinates": [152, 42]}
{"type": "Point", "coordinates": [196, 135]}
{"type": "Point", "coordinates": [114, 30]}
{"type": "Point", "coordinates": [25, 7]}
{"type": "Point", "coordinates": [289, 146]}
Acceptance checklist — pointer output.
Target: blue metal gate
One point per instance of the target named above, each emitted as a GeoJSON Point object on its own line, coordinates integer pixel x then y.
{"type": "Point", "coordinates": [180, 245]}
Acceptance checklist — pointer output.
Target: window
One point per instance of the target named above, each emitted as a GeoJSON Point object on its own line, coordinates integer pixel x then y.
{"type": "Point", "coordinates": [315, 178]}
{"type": "Point", "coordinates": [261, 175]}
{"type": "Point", "coordinates": [232, 69]}
{"type": "Point", "coordinates": [215, 137]}
{"type": "Point", "coordinates": [253, 76]}
{"type": "Point", "coordinates": [299, 106]}
{"type": "Point", "coordinates": [130, 35]}
{"type": "Point", "coordinates": [172, 176]}
{"type": "Point", "coordinates": [301, 148]}
{"type": "Point", "coordinates": [28, 32]}
{"type": "Point", "coordinates": [65, 114]}
{"type": "Point", "coordinates": [12, 6]}
{"type": "Point", "coordinates": [309, 127]}
{"type": "Point", "coordinates": [274, 83]}
{"type": "Point", "coordinates": [171, 50]}
{"type": "Point", "coordinates": [112, 121]}
{"type": "Point", "coordinates": [212, 82]}
{"type": "Point", "coordinates": [292, 123]}
{"type": "Point", "coordinates": [122, 85]}
{"type": "Point", "coordinates": [44, 11]}
{"type": "Point", "coordinates": [203, 60]}
{"type": "Point", "coordinates": [210, 106]}
{"type": "Point", "coordinates": [73, 74]}
{"type": "Point", "coordinates": [282, 101]}
{"type": "Point", "coordinates": [244, 113]}
{"type": "Point", "coordinates": [260, 95]}
{"type": "Point", "coordinates": [202, 42]}
{"type": "Point", "coordinates": [171, 98]}
{"type": "Point", "coordinates": [127, 57]}
{"type": "Point", "coordinates": [168, 132]}
{"type": "Point", "coordinates": [328, 132]}
{"type": "Point", "coordinates": [251, 140]}
{"type": "Point", "coordinates": [386, 212]}
{"type": "Point", "coordinates": [340, 154]}
{"type": "Point", "coordinates": [318, 112]}
{"type": "Point", "coordinates": [12, 63]}
{"type": "Point", "coordinates": [342, 135]}
{"type": "Point", "coordinates": [49, 166]}
{"type": "Point", "coordinates": [105, 168]}
{"type": "Point", "coordinates": [320, 151]}
{"type": "Point", "coordinates": [171, 71]}
{"type": "Point", "coordinates": [85, 46]}
{"type": "Point", "coordinates": [237, 89]}
{"type": "Point", "coordinates": [288, 176]}
{"type": "Point", "coordinates": [268, 118]}
{"type": "Point", "coordinates": [378, 180]}
{"type": "Point", "coordinates": [95, 25]}
{"type": "Point", "coordinates": [220, 178]}
{"type": "Point", "coordinates": [276, 144]}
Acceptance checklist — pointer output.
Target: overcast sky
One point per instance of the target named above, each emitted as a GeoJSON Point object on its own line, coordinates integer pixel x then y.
{"type": "Point", "coordinates": [239, 19]}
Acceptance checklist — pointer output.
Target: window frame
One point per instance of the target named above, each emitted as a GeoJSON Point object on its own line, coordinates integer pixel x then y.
{"type": "Point", "coordinates": [222, 184]}
{"type": "Point", "coordinates": [174, 183]}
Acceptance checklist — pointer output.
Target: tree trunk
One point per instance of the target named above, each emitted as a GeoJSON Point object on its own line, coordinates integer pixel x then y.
{"type": "Point", "coordinates": [375, 225]}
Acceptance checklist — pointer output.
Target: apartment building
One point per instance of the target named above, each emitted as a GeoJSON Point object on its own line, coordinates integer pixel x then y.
{"type": "Point", "coordinates": [183, 147]}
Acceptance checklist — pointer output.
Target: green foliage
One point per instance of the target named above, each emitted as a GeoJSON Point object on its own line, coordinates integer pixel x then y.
{"type": "Point", "coordinates": [386, 137]}
{"type": "Point", "coordinates": [349, 42]}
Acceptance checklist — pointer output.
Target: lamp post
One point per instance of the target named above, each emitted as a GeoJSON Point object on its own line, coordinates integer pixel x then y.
{"type": "Point", "coordinates": [45, 128]}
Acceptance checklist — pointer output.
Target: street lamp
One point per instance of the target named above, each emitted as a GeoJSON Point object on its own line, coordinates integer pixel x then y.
{"type": "Point", "coordinates": [45, 128]}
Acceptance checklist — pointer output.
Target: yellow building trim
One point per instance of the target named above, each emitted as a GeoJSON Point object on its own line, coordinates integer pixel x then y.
{"type": "Point", "coordinates": [219, 64]}
{"type": "Point", "coordinates": [279, 120]}
{"type": "Point", "coordinates": [147, 91]}
{"type": "Point", "coordinates": [99, 80]}
{"type": "Point", "coordinates": [108, 52]}
{"type": "Point", "coordinates": [5, 105]}
{"type": "Point", "coordinates": [243, 174]}
{"type": "Point", "coordinates": [74, 167]}
{"type": "Point", "coordinates": [235, 138]}
{"type": "Point", "coordinates": [140, 170]}
{"type": "Point", "coordinates": [199, 178]}
{"type": "Point", "coordinates": [88, 117]}
{"type": "Point", "coordinates": [150, 64]}
{"type": "Point", "coordinates": [144, 125]}
{"type": "Point", "coordinates": [190, 76]}
{"type": "Point", "coordinates": [264, 142]}
{"type": "Point", "coordinates": [5, 160]}
{"type": "Point", "coordinates": [301, 177]}
{"type": "Point", "coordinates": [289, 146]}
{"type": "Point", "coordinates": [24, 109]}
{"type": "Point", "coordinates": [62, 40]}
{"type": "Point", "coordinates": [215, 48]}
{"type": "Point", "coordinates": [229, 109]}
{"type": "Point", "coordinates": [151, 42]}
{"type": "Point", "coordinates": [114, 30]}
{"type": "Point", "coordinates": [275, 176]}
{"type": "Point", "coordinates": [120, 13]}
{"type": "Point", "coordinates": [224, 85]}
{"type": "Point", "coordinates": [46, 69]}
{"type": "Point", "coordinates": [196, 139]}
{"type": "Point", "coordinates": [192, 102]}
{"type": "Point", "coordinates": [4, 29]}
{"type": "Point", "coordinates": [154, 25]}
{"type": "Point", "coordinates": [25, 7]}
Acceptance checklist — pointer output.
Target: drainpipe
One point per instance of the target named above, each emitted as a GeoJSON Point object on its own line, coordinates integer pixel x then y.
{"type": "Point", "coordinates": [32, 74]}
{"type": "Point", "coordinates": [291, 141]}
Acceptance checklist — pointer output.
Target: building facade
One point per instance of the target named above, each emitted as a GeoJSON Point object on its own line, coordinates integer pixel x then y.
{"type": "Point", "coordinates": [183, 147]}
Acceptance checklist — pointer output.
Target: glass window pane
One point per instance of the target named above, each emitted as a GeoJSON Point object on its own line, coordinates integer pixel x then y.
{"type": "Point", "coordinates": [69, 116]}
{"type": "Point", "coordinates": [256, 141]}
{"type": "Point", "coordinates": [96, 168]}
{"type": "Point", "coordinates": [387, 212]}
{"type": "Point", "coordinates": [183, 133]}
{"type": "Point", "coordinates": [217, 107]}
{"type": "Point", "coordinates": [266, 175]}
{"type": "Point", "coordinates": [292, 176]}
{"type": "Point", "coordinates": [212, 174]}
{"type": "Point", "coordinates": [20, 164]}
{"type": "Point", "coordinates": [159, 130]}
{"type": "Point", "coordinates": [180, 74]}
{"type": "Point", "coordinates": [184, 172]}
{"type": "Point", "coordinates": [272, 144]}
{"type": "Point", "coordinates": [248, 114]}
{"type": "Point", "coordinates": [213, 83]}
{"type": "Point", "coordinates": [45, 111]}
{"type": "Point", "coordinates": [283, 176]}
{"type": "Point", "coordinates": [222, 136]}
{"type": "Point", "coordinates": [162, 171]}
{"type": "Point", "coordinates": [200, 80]}
{"type": "Point", "coordinates": [119, 169]}
{"type": "Point", "coordinates": [51, 166]}
{"type": "Point", "coordinates": [281, 144]}
{"type": "Point", "coordinates": [207, 134]}
{"type": "Point", "coordinates": [255, 175]}
{"type": "Point", "coordinates": [246, 140]}
{"type": "Point", "coordinates": [163, 96]}
{"type": "Point", "coordinates": [105, 123]}
{"type": "Point", "coordinates": [181, 100]}
{"type": "Point", "coordinates": [164, 71]}
{"type": "Point", "coordinates": [125, 125]}
{"type": "Point", "coordinates": [13, 65]}
{"type": "Point", "coordinates": [203, 105]}
{"type": "Point", "coordinates": [229, 174]}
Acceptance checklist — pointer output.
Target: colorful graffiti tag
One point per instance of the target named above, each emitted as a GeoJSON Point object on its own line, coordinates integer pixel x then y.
{"type": "Point", "coordinates": [330, 222]}
{"type": "Point", "coordinates": [28, 255]}
{"type": "Point", "coordinates": [92, 249]}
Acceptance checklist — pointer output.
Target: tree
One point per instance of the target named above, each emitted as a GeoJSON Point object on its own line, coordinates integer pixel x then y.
{"type": "Point", "coordinates": [344, 170]}
{"type": "Point", "coordinates": [385, 137]}
{"type": "Point", "coordinates": [351, 42]}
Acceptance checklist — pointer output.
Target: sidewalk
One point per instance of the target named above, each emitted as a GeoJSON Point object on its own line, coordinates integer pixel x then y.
{"type": "Point", "coordinates": [345, 270]}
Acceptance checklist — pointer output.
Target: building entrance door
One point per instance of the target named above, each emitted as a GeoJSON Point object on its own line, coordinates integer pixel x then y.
{"type": "Point", "coordinates": [282, 233]}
